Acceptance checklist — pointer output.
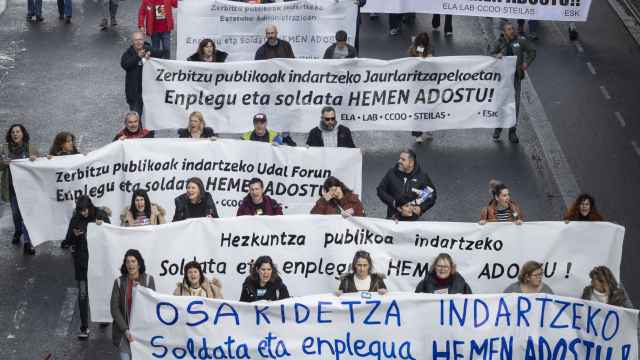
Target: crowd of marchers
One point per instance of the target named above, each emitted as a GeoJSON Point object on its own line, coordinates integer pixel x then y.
{"type": "Point", "coordinates": [406, 189]}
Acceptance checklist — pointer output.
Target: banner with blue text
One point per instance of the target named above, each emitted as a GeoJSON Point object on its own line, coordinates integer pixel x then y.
{"type": "Point", "coordinates": [313, 251]}
{"type": "Point", "coordinates": [394, 326]}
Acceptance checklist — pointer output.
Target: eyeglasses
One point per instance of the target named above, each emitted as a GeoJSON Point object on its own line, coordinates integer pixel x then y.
{"type": "Point", "coordinates": [329, 119]}
{"type": "Point", "coordinates": [536, 275]}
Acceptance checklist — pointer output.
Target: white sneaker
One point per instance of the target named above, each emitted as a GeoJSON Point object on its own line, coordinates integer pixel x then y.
{"type": "Point", "coordinates": [394, 31]}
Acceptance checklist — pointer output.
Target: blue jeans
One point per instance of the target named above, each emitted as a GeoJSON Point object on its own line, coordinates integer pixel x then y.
{"type": "Point", "coordinates": [18, 223]}
{"type": "Point", "coordinates": [34, 8]}
{"type": "Point", "coordinates": [64, 8]}
{"type": "Point", "coordinates": [161, 41]}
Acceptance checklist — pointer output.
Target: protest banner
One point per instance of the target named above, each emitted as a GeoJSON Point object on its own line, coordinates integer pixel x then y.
{"type": "Point", "coordinates": [394, 326]}
{"type": "Point", "coordinates": [312, 251]}
{"type": "Point", "coordinates": [238, 28]}
{"type": "Point", "coordinates": [556, 10]}
{"type": "Point", "coordinates": [457, 92]}
{"type": "Point", "coordinates": [47, 189]}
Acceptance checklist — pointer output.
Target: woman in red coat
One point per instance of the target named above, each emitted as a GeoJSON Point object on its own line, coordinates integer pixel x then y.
{"type": "Point", "coordinates": [337, 199]}
{"type": "Point", "coordinates": [155, 17]}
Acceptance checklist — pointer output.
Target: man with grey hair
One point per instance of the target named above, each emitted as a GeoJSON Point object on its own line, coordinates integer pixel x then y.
{"type": "Point", "coordinates": [133, 128]}
{"type": "Point", "coordinates": [131, 62]}
{"type": "Point", "coordinates": [274, 47]}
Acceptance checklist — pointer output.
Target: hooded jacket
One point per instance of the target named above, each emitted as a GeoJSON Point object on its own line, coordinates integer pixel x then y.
{"type": "Point", "coordinates": [247, 207]}
{"type": "Point", "coordinates": [276, 290]}
{"type": "Point", "coordinates": [157, 216]}
{"type": "Point", "coordinates": [344, 137]}
{"type": "Point", "coordinates": [182, 206]}
{"type": "Point", "coordinates": [396, 182]}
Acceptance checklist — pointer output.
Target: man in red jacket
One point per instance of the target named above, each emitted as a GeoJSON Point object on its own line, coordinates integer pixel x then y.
{"type": "Point", "coordinates": [158, 16]}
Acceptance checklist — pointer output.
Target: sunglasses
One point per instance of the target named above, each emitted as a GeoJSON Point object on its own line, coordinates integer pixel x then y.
{"type": "Point", "coordinates": [329, 119]}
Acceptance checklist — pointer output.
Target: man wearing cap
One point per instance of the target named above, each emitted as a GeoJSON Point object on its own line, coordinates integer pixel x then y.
{"type": "Point", "coordinates": [261, 133]}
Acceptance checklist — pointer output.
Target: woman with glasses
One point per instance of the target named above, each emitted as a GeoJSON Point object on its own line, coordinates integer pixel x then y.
{"type": "Point", "coordinates": [529, 280]}
{"type": "Point", "coordinates": [443, 278]}
{"type": "Point", "coordinates": [362, 277]}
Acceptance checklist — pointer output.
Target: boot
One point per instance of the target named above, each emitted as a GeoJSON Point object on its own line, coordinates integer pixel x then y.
{"type": "Point", "coordinates": [496, 134]}
{"type": "Point", "coordinates": [513, 137]}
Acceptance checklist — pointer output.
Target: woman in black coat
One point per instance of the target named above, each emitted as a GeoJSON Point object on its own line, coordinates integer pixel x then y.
{"type": "Point", "coordinates": [362, 277]}
{"type": "Point", "coordinates": [195, 202]}
{"type": "Point", "coordinates": [84, 214]}
{"type": "Point", "coordinates": [443, 278]}
{"type": "Point", "coordinates": [264, 282]}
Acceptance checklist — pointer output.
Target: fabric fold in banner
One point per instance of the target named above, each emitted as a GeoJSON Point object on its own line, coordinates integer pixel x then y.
{"type": "Point", "coordinates": [458, 92]}
{"type": "Point", "coordinates": [312, 251]}
{"type": "Point", "coordinates": [556, 10]}
{"type": "Point", "coordinates": [47, 189]}
{"type": "Point", "coordinates": [238, 28]}
{"type": "Point", "coordinates": [394, 326]}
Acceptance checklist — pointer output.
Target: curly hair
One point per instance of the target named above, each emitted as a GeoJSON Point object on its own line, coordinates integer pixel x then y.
{"type": "Point", "coordinates": [59, 140]}
{"type": "Point", "coordinates": [573, 212]}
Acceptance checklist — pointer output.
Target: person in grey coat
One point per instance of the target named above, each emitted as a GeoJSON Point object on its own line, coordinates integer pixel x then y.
{"type": "Point", "coordinates": [530, 280]}
{"type": "Point", "coordinates": [512, 44]}
{"type": "Point", "coordinates": [132, 274]}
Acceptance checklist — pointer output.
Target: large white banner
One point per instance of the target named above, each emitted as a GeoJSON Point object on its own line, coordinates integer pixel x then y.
{"type": "Point", "coordinates": [47, 189]}
{"type": "Point", "coordinates": [394, 326]}
{"type": "Point", "coordinates": [313, 250]}
{"type": "Point", "coordinates": [458, 92]}
{"type": "Point", "coordinates": [557, 10]}
{"type": "Point", "coordinates": [239, 28]}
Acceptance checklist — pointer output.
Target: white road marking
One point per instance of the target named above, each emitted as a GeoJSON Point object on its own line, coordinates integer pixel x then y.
{"type": "Point", "coordinates": [18, 316]}
{"type": "Point", "coordinates": [605, 93]}
{"type": "Point", "coordinates": [591, 68]}
{"type": "Point", "coordinates": [620, 118]}
{"type": "Point", "coordinates": [66, 314]}
{"type": "Point", "coordinates": [636, 147]}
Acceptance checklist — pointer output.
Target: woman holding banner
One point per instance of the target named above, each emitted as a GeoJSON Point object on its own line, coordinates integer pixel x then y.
{"type": "Point", "coordinates": [16, 147]}
{"type": "Point", "coordinates": [142, 211]}
{"type": "Point", "coordinates": [196, 284]}
{"type": "Point", "coordinates": [362, 277]}
{"type": "Point", "coordinates": [605, 288]}
{"type": "Point", "coordinates": [207, 52]}
{"type": "Point", "coordinates": [443, 278]}
{"type": "Point", "coordinates": [530, 280]}
{"type": "Point", "coordinates": [63, 144]}
{"type": "Point", "coordinates": [195, 202]}
{"type": "Point", "coordinates": [196, 128]}
{"type": "Point", "coordinates": [501, 208]}
{"type": "Point", "coordinates": [583, 209]}
{"type": "Point", "coordinates": [337, 198]}
{"type": "Point", "coordinates": [84, 214]}
{"type": "Point", "coordinates": [264, 282]}
{"type": "Point", "coordinates": [132, 273]}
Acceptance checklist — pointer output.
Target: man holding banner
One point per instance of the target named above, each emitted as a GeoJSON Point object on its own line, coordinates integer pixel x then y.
{"type": "Point", "coordinates": [274, 47]}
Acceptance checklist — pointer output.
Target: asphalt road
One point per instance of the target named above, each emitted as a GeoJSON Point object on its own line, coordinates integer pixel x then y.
{"type": "Point", "coordinates": [57, 77]}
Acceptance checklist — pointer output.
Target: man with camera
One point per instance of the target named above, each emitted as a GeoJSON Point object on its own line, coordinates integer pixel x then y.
{"type": "Point", "coordinates": [132, 62]}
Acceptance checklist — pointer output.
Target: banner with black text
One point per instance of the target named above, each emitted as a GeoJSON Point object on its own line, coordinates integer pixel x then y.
{"type": "Point", "coordinates": [556, 10]}
{"type": "Point", "coordinates": [47, 189]}
{"type": "Point", "coordinates": [311, 251]}
{"type": "Point", "coordinates": [238, 28]}
{"type": "Point", "coordinates": [394, 326]}
{"type": "Point", "coordinates": [458, 92]}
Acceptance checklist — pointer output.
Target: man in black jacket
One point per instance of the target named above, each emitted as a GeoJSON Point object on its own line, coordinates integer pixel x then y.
{"type": "Point", "coordinates": [407, 177]}
{"type": "Point", "coordinates": [326, 134]}
{"type": "Point", "coordinates": [340, 49]}
{"type": "Point", "coordinates": [274, 47]}
{"type": "Point", "coordinates": [131, 62]}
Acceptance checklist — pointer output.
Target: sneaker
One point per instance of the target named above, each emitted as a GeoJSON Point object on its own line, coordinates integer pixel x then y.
{"type": "Point", "coordinates": [29, 249]}
{"type": "Point", "coordinates": [65, 244]}
{"type": "Point", "coordinates": [513, 137]}
{"type": "Point", "coordinates": [84, 334]}
{"type": "Point", "coordinates": [573, 34]}
{"type": "Point", "coordinates": [419, 139]}
{"type": "Point", "coordinates": [394, 31]}
{"type": "Point", "coordinates": [448, 33]}
{"type": "Point", "coordinates": [496, 134]}
{"type": "Point", "coordinates": [29, 18]}
{"type": "Point", "coordinates": [16, 238]}
{"type": "Point", "coordinates": [103, 24]}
